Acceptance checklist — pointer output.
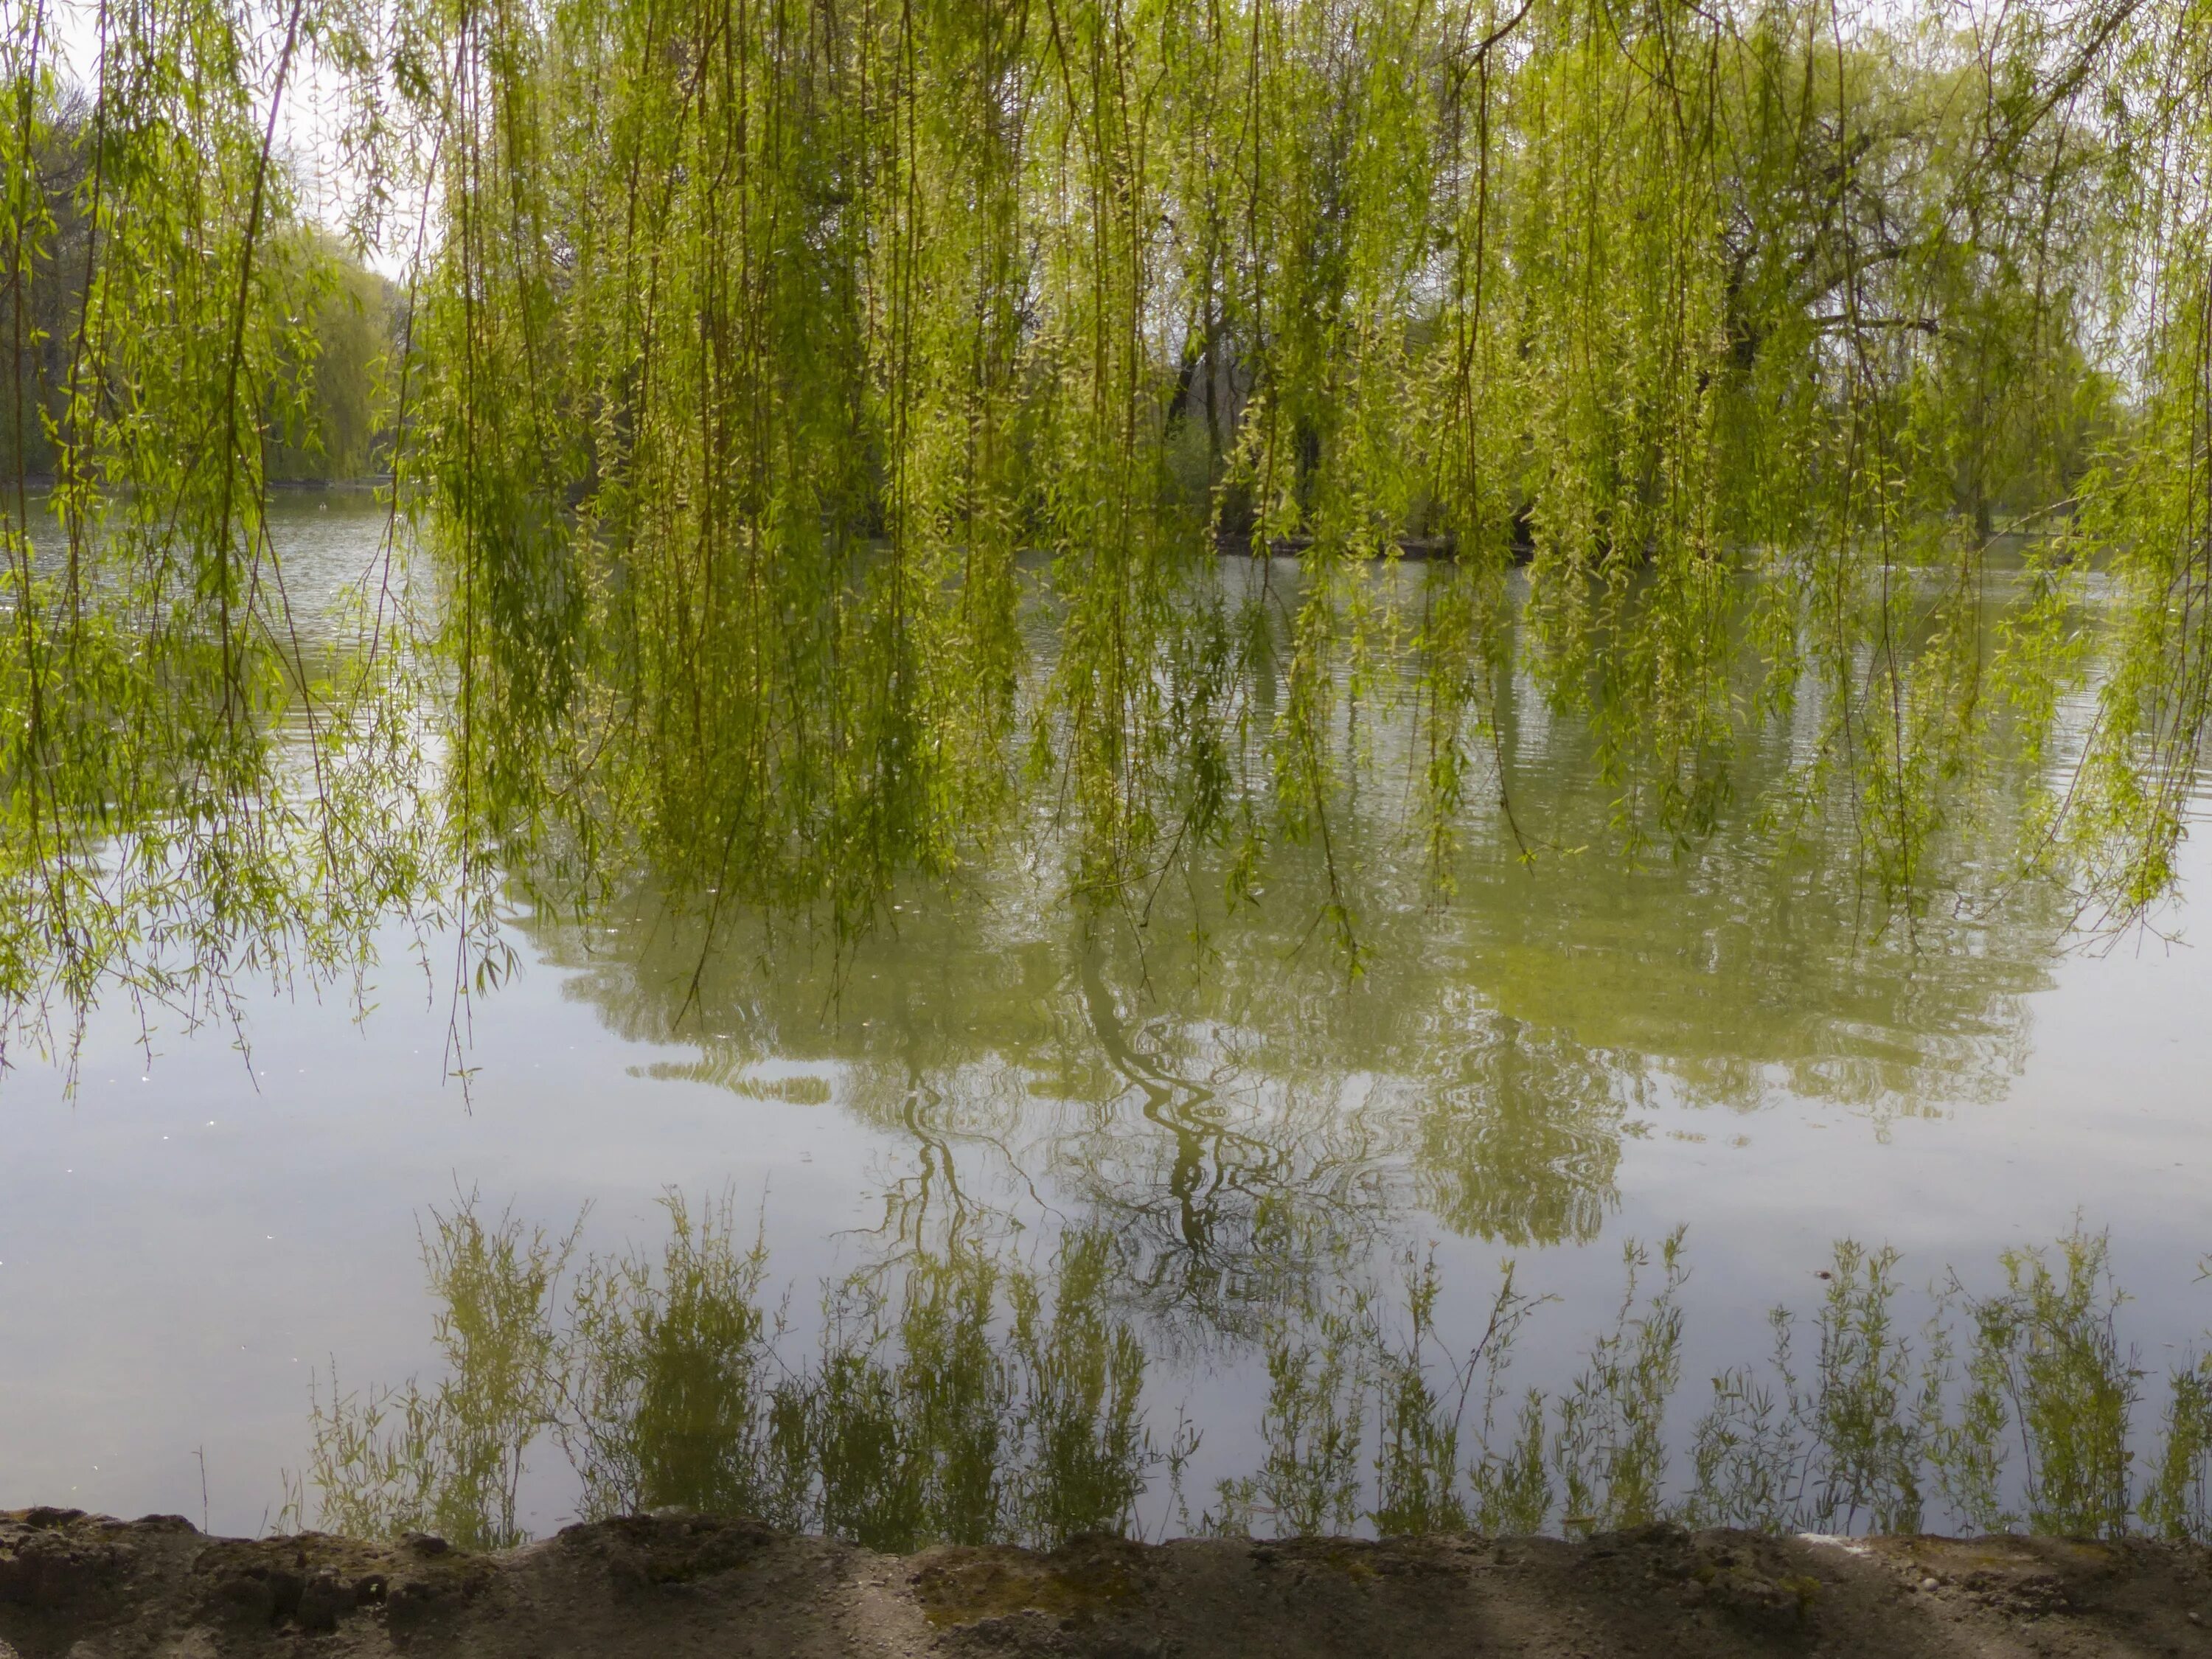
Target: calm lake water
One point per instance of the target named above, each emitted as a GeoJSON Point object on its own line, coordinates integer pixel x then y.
{"type": "Point", "coordinates": [1582, 1047]}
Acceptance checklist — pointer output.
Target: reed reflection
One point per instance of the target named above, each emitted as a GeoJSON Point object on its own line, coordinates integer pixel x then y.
{"type": "Point", "coordinates": [972, 1394]}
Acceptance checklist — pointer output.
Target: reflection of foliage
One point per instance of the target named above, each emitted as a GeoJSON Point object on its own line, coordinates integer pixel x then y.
{"type": "Point", "coordinates": [1204, 1082]}
{"type": "Point", "coordinates": [966, 1398]}
{"type": "Point", "coordinates": [805, 1089]}
{"type": "Point", "coordinates": [449, 1460]}
{"type": "Point", "coordinates": [2046, 1366]}
{"type": "Point", "coordinates": [1522, 1145]}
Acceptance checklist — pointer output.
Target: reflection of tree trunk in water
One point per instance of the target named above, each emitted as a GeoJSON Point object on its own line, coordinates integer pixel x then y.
{"type": "Point", "coordinates": [909, 1199]}
{"type": "Point", "coordinates": [1225, 1188]}
{"type": "Point", "coordinates": [1210, 1159]}
{"type": "Point", "coordinates": [1188, 1184]}
{"type": "Point", "coordinates": [1505, 729]}
{"type": "Point", "coordinates": [936, 1163]}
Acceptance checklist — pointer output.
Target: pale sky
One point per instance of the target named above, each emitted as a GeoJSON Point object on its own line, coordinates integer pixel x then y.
{"type": "Point", "coordinates": [307, 123]}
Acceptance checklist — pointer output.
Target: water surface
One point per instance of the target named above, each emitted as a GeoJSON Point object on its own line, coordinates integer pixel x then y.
{"type": "Point", "coordinates": [1581, 1047]}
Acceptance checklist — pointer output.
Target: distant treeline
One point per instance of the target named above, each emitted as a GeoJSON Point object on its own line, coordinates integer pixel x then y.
{"type": "Point", "coordinates": [328, 416]}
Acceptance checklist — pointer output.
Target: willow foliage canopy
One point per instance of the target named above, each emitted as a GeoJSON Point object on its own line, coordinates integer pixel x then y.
{"type": "Point", "coordinates": [819, 422]}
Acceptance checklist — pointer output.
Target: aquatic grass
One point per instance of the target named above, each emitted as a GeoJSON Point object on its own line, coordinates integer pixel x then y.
{"type": "Point", "coordinates": [1608, 1448]}
{"type": "Point", "coordinates": [2047, 1352]}
{"type": "Point", "coordinates": [1417, 1456]}
{"type": "Point", "coordinates": [1424, 1434]}
{"type": "Point", "coordinates": [1862, 1416]}
{"type": "Point", "coordinates": [1314, 1427]}
{"type": "Point", "coordinates": [1843, 1450]}
{"type": "Point", "coordinates": [1748, 1454]}
{"type": "Point", "coordinates": [962, 1399]}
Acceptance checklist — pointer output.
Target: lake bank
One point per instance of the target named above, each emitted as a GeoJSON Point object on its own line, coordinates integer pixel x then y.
{"type": "Point", "coordinates": [675, 1584]}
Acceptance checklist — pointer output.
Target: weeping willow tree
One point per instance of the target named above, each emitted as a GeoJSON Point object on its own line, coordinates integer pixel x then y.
{"type": "Point", "coordinates": [192, 785]}
{"type": "Point", "coordinates": [829, 315]}
{"type": "Point", "coordinates": [823, 420]}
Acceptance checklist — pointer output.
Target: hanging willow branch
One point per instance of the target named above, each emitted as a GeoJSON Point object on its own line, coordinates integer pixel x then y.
{"type": "Point", "coordinates": [826, 417]}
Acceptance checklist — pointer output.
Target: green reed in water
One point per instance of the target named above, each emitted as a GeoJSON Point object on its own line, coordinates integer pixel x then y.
{"type": "Point", "coordinates": [965, 1398]}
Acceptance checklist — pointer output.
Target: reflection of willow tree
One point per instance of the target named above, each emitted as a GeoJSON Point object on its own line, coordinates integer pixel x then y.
{"type": "Point", "coordinates": [1198, 1076]}
{"type": "Point", "coordinates": [1015, 1076]}
{"type": "Point", "coordinates": [1521, 1145]}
